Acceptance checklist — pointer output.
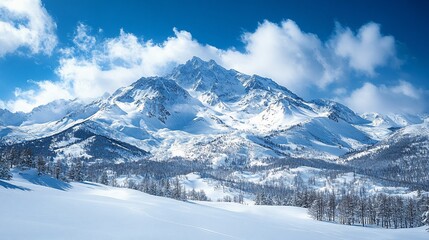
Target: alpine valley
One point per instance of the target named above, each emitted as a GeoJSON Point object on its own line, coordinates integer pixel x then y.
{"type": "Point", "coordinates": [221, 126]}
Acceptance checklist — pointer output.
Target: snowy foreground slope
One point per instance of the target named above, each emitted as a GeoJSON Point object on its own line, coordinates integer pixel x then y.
{"type": "Point", "coordinates": [43, 208]}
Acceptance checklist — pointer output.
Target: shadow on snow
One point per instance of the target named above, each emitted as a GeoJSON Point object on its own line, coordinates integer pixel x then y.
{"type": "Point", "coordinates": [11, 186]}
{"type": "Point", "coordinates": [45, 180]}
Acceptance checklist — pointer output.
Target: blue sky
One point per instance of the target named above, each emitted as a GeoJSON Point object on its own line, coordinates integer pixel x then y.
{"type": "Point", "coordinates": [369, 56]}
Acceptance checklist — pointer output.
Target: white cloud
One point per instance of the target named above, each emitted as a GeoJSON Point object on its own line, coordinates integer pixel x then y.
{"type": "Point", "coordinates": [286, 54]}
{"type": "Point", "coordinates": [82, 40]}
{"type": "Point", "coordinates": [45, 92]}
{"type": "Point", "coordinates": [118, 62]}
{"type": "Point", "coordinates": [295, 59]}
{"type": "Point", "coordinates": [26, 24]}
{"type": "Point", "coordinates": [366, 50]}
{"type": "Point", "coordinates": [340, 91]}
{"type": "Point", "coordinates": [407, 89]}
{"type": "Point", "coordinates": [283, 52]}
{"type": "Point", "coordinates": [400, 98]}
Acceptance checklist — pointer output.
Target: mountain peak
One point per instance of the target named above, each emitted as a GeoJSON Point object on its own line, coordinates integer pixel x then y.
{"type": "Point", "coordinates": [198, 62]}
{"type": "Point", "coordinates": [208, 77]}
{"type": "Point", "coordinates": [195, 61]}
{"type": "Point", "coordinates": [151, 88]}
{"type": "Point", "coordinates": [337, 110]}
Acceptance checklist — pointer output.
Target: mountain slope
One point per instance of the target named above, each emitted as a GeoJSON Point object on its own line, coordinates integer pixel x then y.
{"type": "Point", "coordinates": [403, 156]}
{"type": "Point", "coordinates": [80, 142]}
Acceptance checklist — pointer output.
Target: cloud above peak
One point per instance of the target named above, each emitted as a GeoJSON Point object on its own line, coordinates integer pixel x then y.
{"type": "Point", "coordinates": [285, 53]}
{"type": "Point", "coordinates": [25, 24]}
{"type": "Point", "coordinates": [93, 65]}
{"type": "Point", "coordinates": [366, 50]}
{"type": "Point", "coordinates": [94, 69]}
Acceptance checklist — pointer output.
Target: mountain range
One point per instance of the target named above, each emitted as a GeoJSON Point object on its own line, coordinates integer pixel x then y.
{"type": "Point", "coordinates": [201, 111]}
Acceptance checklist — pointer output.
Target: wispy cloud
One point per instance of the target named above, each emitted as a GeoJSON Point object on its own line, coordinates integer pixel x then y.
{"type": "Point", "coordinates": [116, 62]}
{"type": "Point", "coordinates": [26, 25]}
{"type": "Point", "coordinates": [43, 93]}
{"type": "Point", "coordinates": [401, 97]}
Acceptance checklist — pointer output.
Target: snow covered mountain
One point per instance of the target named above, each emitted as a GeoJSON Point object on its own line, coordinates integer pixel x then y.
{"type": "Point", "coordinates": [381, 126]}
{"type": "Point", "coordinates": [403, 156]}
{"type": "Point", "coordinates": [199, 111]}
{"type": "Point", "coordinates": [391, 120]}
{"type": "Point", "coordinates": [81, 142]}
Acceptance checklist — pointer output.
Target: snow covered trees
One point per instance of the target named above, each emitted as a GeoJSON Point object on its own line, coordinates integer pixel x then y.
{"type": "Point", "coordinates": [75, 172]}
{"type": "Point", "coordinates": [57, 169]}
{"type": "Point", "coordinates": [41, 165]}
{"type": "Point", "coordinates": [12, 155]}
{"type": "Point", "coordinates": [18, 157]}
{"type": "Point", "coordinates": [262, 199]}
{"type": "Point", "coordinates": [26, 158]}
{"type": "Point", "coordinates": [104, 179]}
{"type": "Point", "coordinates": [331, 207]}
{"type": "Point", "coordinates": [426, 219]}
{"type": "Point", "coordinates": [317, 208]}
{"type": "Point", "coordinates": [177, 190]}
{"type": "Point", "coordinates": [381, 210]}
{"type": "Point", "coordinates": [4, 168]}
{"type": "Point", "coordinates": [425, 215]}
{"type": "Point", "coordinates": [197, 195]}
{"type": "Point", "coordinates": [410, 213]}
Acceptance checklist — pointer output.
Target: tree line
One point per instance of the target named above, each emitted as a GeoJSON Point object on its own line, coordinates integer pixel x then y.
{"type": "Point", "coordinates": [77, 170]}
{"type": "Point", "coordinates": [362, 209]}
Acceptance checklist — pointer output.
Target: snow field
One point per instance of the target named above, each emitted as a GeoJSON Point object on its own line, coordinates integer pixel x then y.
{"type": "Point", "coordinates": [35, 207]}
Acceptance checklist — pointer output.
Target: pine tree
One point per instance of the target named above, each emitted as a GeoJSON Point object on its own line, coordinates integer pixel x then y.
{"type": "Point", "coordinates": [71, 172]}
{"type": "Point", "coordinates": [426, 219]}
{"type": "Point", "coordinates": [26, 158]}
{"type": "Point", "coordinates": [167, 188]}
{"type": "Point", "coordinates": [183, 196]}
{"type": "Point", "coordinates": [13, 157]}
{"type": "Point", "coordinates": [362, 210]}
{"type": "Point", "coordinates": [371, 211]}
{"type": "Point", "coordinates": [362, 206]}
{"type": "Point", "coordinates": [104, 179]}
{"type": "Point", "coordinates": [41, 165]}
{"type": "Point", "coordinates": [4, 168]}
{"type": "Point", "coordinates": [75, 173]}
{"type": "Point", "coordinates": [57, 169]}
{"type": "Point", "coordinates": [411, 213]}
{"type": "Point", "coordinates": [317, 208]}
{"type": "Point", "coordinates": [331, 206]}
{"type": "Point", "coordinates": [203, 197]}
{"type": "Point", "coordinates": [192, 195]}
{"type": "Point", "coordinates": [78, 171]}
{"type": "Point", "coordinates": [425, 215]}
{"type": "Point", "coordinates": [177, 189]}
{"type": "Point", "coordinates": [398, 206]}
{"type": "Point", "coordinates": [258, 199]}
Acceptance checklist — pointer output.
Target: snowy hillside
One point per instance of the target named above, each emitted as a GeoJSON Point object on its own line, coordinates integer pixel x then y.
{"type": "Point", "coordinates": [49, 209]}
{"type": "Point", "coordinates": [403, 156]}
{"type": "Point", "coordinates": [82, 142]}
{"type": "Point", "coordinates": [381, 126]}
